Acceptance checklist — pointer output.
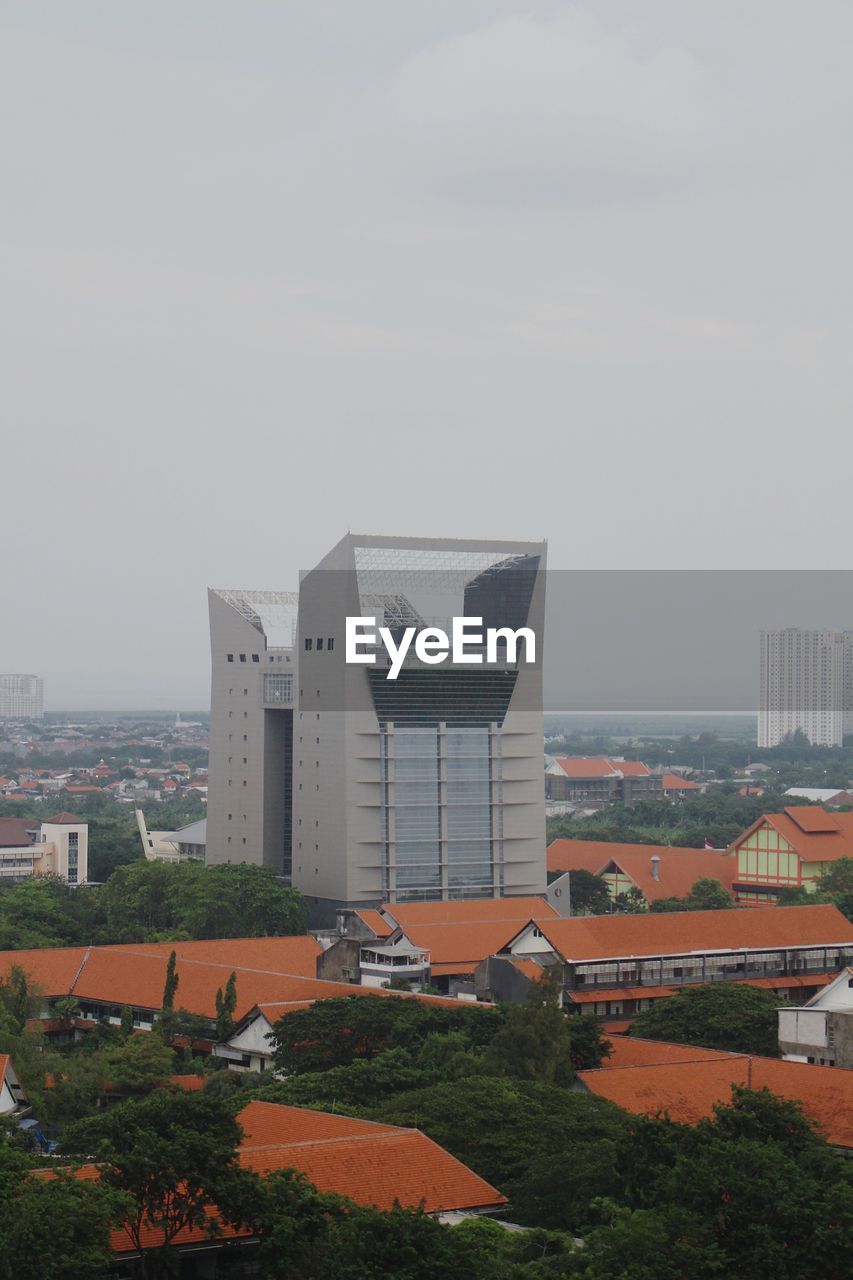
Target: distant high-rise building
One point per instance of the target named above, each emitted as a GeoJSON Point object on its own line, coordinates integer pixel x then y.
{"type": "Point", "coordinates": [21, 697]}
{"type": "Point", "coordinates": [805, 685]}
{"type": "Point", "coordinates": [363, 789]}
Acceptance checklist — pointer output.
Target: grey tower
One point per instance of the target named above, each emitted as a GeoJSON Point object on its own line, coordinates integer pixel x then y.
{"type": "Point", "coordinates": [424, 787]}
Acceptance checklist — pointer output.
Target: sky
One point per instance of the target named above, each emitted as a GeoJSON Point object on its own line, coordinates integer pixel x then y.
{"type": "Point", "coordinates": [271, 271]}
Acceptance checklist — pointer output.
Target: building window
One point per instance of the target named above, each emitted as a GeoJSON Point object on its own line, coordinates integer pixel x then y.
{"type": "Point", "coordinates": [255, 658]}
{"type": "Point", "coordinates": [230, 657]}
{"type": "Point", "coordinates": [309, 644]}
{"type": "Point", "coordinates": [319, 643]}
{"type": "Point", "coordinates": [278, 687]}
{"type": "Point", "coordinates": [330, 643]}
{"type": "Point", "coordinates": [242, 657]}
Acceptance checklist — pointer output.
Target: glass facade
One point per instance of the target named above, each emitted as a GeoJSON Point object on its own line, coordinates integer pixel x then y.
{"type": "Point", "coordinates": [72, 857]}
{"type": "Point", "coordinates": [440, 810]}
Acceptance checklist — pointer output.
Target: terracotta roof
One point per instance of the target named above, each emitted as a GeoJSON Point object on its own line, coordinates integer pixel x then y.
{"type": "Point", "coordinates": [375, 922]}
{"type": "Point", "coordinates": [678, 868]}
{"type": "Point", "coordinates": [372, 1164]}
{"type": "Point", "coordinates": [4, 1065]}
{"type": "Point", "coordinates": [52, 969]}
{"type": "Point", "coordinates": [682, 932]}
{"type": "Point", "coordinates": [688, 1090]}
{"type": "Point", "coordinates": [189, 1084]}
{"type": "Point", "coordinates": [817, 836]}
{"type": "Point", "coordinates": [14, 832]}
{"type": "Point", "coordinates": [66, 819]}
{"type": "Point", "coordinates": [675, 782]}
{"type": "Point", "coordinates": [463, 945]}
{"type": "Point", "coordinates": [632, 768]}
{"type": "Point", "coordinates": [530, 968]}
{"type": "Point", "coordinates": [631, 1051]}
{"type": "Point", "coordinates": [467, 911]}
{"type": "Point", "coordinates": [295, 954]}
{"type": "Point", "coordinates": [587, 766]}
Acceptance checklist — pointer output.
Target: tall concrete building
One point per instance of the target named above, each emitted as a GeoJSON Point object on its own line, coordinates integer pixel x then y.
{"type": "Point", "coordinates": [21, 697]}
{"type": "Point", "coordinates": [423, 786]}
{"type": "Point", "coordinates": [806, 685]}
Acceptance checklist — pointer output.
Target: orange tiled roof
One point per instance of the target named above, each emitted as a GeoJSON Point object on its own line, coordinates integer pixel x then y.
{"type": "Point", "coordinates": [675, 782]}
{"type": "Point", "coordinates": [630, 1051]}
{"type": "Point", "coordinates": [678, 868]}
{"type": "Point", "coordinates": [680, 932]}
{"type": "Point", "coordinates": [587, 766]}
{"type": "Point", "coordinates": [4, 1066]}
{"type": "Point", "coordinates": [375, 921]}
{"type": "Point", "coordinates": [372, 1164]}
{"type": "Point", "coordinates": [462, 945]}
{"type": "Point", "coordinates": [817, 836]}
{"type": "Point", "coordinates": [689, 1090]}
{"type": "Point", "coordinates": [467, 911]}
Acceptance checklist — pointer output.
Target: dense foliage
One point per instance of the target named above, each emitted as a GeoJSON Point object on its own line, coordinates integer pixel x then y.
{"type": "Point", "coordinates": [728, 1015]}
{"type": "Point", "coordinates": [147, 901]}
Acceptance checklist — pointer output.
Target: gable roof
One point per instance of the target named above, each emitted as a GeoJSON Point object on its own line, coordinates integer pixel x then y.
{"type": "Point", "coordinates": [631, 1051]}
{"type": "Point", "coordinates": [373, 1164]}
{"type": "Point", "coordinates": [66, 819]}
{"type": "Point", "coordinates": [678, 868]}
{"type": "Point", "coordinates": [587, 767]}
{"type": "Point", "coordinates": [375, 921]}
{"type": "Point", "coordinates": [466, 911]}
{"type": "Point", "coordinates": [814, 834]}
{"type": "Point", "coordinates": [688, 1090]}
{"type": "Point", "coordinates": [675, 782]}
{"type": "Point", "coordinates": [459, 948]}
{"type": "Point", "coordinates": [682, 932]}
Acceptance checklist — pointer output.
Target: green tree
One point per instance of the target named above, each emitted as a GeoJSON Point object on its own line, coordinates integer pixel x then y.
{"type": "Point", "coordinates": [729, 1015]}
{"type": "Point", "coordinates": [707, 894]}
{"type": "Point", "coordinates": [535, 1040]}
{"type": "Point", "coordinates": [226, 1005]}
{"type": "Point", "coordinates": [172, 1157]}
{"type": "Point", "coordinates": [588, 894]}
{"type": "Point", "coordinates": [51, 1228]}
{"type": "Point", "coordinates": [139, 1065]}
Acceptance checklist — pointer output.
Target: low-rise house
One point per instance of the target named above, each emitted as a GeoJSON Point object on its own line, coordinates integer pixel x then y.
{"type": "Point", "coordinates": [789, 850]}
{"type": "Point", "coordinates": [687, 1083]}
{"type": "Point", "coordinates": [654, 871]}
{"type": "Point", "coordinates": [438, 944]}
{"type": "Point", "coordinates": [615, 966]}
{"type": "Point", "coordinates": [821, 1030]}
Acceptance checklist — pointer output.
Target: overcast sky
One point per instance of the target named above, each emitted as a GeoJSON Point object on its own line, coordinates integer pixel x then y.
{"type": "Point", "coordinates": [270, 271]}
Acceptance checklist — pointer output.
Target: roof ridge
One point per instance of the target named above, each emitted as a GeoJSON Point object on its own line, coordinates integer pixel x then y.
{"type": "Point", "coordinates": [393, 1131]}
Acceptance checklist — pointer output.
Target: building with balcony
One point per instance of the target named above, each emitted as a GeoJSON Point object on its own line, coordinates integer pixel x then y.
{"type": "Point", "coordinates": [615, 966]}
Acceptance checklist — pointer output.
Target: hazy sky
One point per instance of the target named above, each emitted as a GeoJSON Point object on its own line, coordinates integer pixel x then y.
{"type": "Point", "coordinates": [269, 271]}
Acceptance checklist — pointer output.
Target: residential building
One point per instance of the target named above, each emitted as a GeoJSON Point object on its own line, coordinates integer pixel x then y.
{"type": "Point", "coordinates": [58, 846]}
{"type": "Point", "coordinates": [21, 697]}
{"type": "Point", "coordinates": [789, 850]}
{"type": "Point", "coordinates": [649, 1078]}
{"type": "Point", "coordinates": [596, 781]}
{"type": "Point", "coordinates": [187, 844]}
{"type": "Point", "coordinates": [821, 1030]}
{"type": "Point", "coordinates": [438, 944]}
{"type": "Point", "coordinates": [615, 966]}
{"type": "Point", "coordinates": [362, 789]}
{"type": "Point", "coordinates": [653, 871]}
{"type": "Point", "coordinates": [805, 685]}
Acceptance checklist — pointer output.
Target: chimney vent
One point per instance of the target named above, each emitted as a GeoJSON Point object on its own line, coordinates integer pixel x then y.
{"type": "Point", "coordinates": [656, 866]}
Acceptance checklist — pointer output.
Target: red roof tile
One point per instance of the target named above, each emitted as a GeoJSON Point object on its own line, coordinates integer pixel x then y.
{"type": "Point", "coordinates": [689, 1090]}
{"type": "Point", "coordinates": [814, 834]}
{"type": "Point", "coordinates": [681, 932]}
{"type": "Point", "coordinates": [467, 911]}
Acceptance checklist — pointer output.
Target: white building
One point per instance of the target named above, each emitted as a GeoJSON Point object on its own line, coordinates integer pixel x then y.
{"type": "Point", "coordinates": [57, 847]}
{"type": "Point", "coordinates": [12, 1096]}
{"type": "Point", "coordinates": [21, 697]}
{"type": "Point", "coordinates": [183, 845]}
{"type": "Point", "coordinates": [806, 685]}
